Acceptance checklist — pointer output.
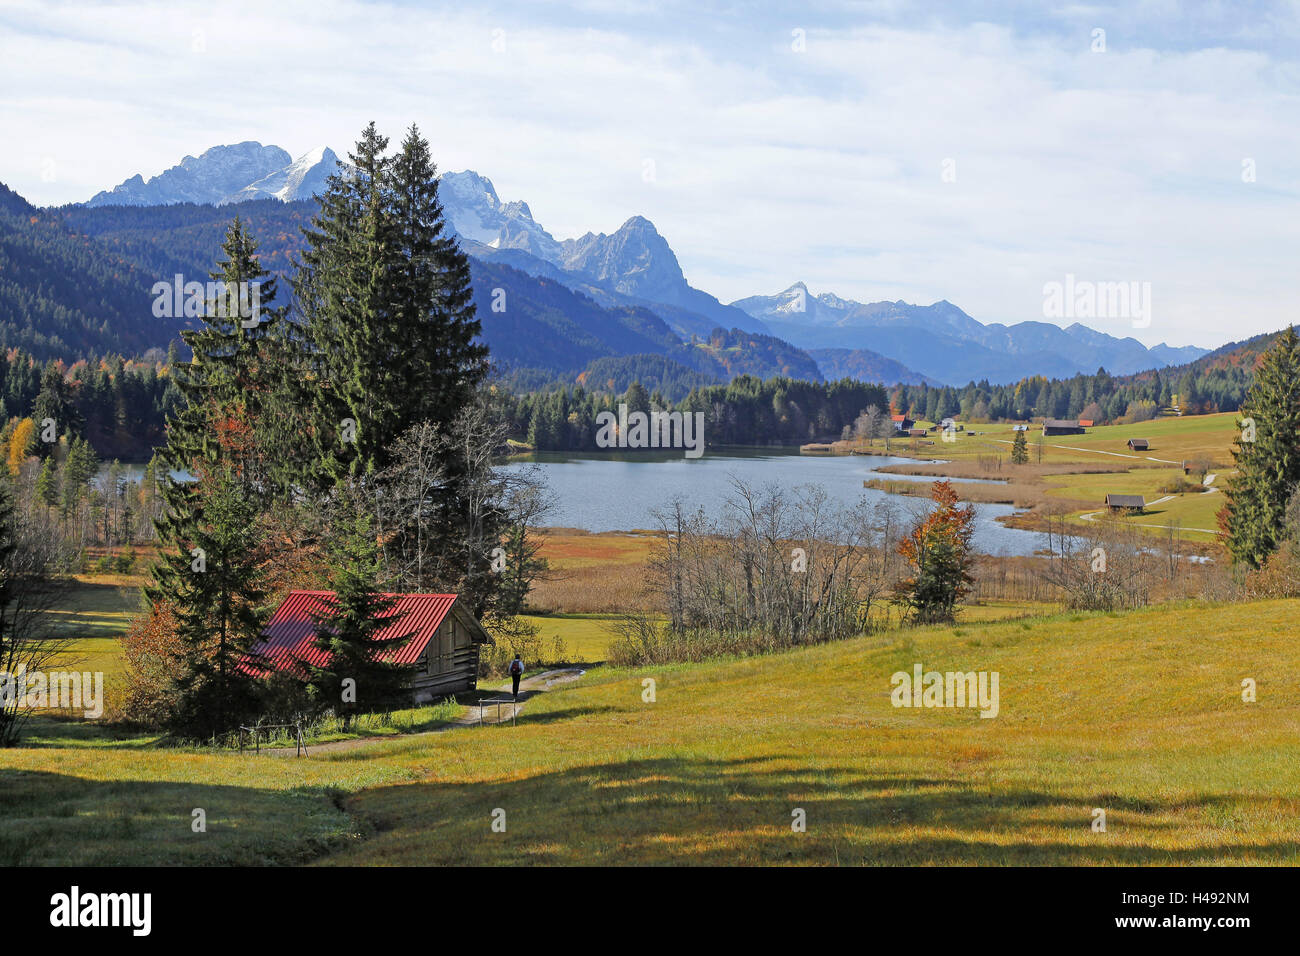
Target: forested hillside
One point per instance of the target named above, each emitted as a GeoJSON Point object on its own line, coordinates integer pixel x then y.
{"type": "Point", "coordinates": [66, 295]}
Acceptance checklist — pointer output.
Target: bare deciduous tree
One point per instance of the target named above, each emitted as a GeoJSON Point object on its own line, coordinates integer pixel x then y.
{"type": "Point", "coordinates": [777, 568]}
{"type": "Point", "coordinates": [30, 551]}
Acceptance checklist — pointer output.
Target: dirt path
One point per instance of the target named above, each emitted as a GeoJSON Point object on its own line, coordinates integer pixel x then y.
{"type": "Point", "coordinates": [508, 711]}
{"type": "Point", "coordinates": [1092, 516]}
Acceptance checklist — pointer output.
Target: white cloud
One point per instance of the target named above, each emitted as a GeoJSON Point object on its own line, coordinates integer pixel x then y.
{"type": "Point", "coordinates": [771, 165]}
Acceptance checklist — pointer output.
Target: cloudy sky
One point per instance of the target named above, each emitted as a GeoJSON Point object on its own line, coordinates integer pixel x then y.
{"type": "Point", "coordinates": [964, 151]}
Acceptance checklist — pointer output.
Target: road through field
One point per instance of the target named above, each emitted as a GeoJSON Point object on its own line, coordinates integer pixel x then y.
{"type": "Point", "coordinates": [1101, 451]}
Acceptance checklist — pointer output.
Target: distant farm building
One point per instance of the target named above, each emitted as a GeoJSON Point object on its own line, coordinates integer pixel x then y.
{"type": "Point", "coordinates": [1086, 422]}
{"type": "Point", "coordinates": [1062, 426]}
{"type": "Point", "coordinates": [443, 648]}
{"type": "Point", "coordinates": [916, 433]}
{"type": "Point", "coordinates": [1125, 502]}
{"type": "Point", "coordinates": [1138, 444]}
{"type": "Point", "coordinates": [902, 423]}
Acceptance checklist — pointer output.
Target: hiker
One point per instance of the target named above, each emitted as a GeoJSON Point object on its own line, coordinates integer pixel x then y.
{"type": "Point", "coordinates": [516, 672]}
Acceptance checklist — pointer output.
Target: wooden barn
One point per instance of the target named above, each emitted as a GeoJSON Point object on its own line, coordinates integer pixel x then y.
{"type": "Point", "coordinates": [1125, 502]}
{"type": "Point", "coordinates": [444, 644]}
{"type": "Point", "coordinates": [1062, 426]}
{"type": "Point", "coordinates": [1138, 444]}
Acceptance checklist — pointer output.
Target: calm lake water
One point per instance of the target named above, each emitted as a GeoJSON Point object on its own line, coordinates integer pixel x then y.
{"type": "Point", "coordinates": [617, 492]}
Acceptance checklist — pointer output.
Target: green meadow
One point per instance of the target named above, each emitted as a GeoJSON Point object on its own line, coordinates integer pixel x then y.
{"type": "Point", "coordinates": [1137, 714]}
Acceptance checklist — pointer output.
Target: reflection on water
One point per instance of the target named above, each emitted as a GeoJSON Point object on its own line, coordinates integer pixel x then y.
{"type": "Point", "coordinates": [617, 492]}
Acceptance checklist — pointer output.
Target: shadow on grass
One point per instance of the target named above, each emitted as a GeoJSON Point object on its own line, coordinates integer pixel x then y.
{"type": "Point", "coordinates": [44, 731]}
{"type": "Point", "coordinates": [720, 812]}
{"type": "Point", "coordinates": [55, 819]}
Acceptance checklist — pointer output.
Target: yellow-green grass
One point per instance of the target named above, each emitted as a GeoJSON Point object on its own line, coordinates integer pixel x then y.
{"type": "Point", "coordinates": [1139, 714]}
{"type": "Point", "coordinates": [1193, 512]}
{"type": "Point", "coordinates": [91, 616]}
{"type": "Point", "coordinates": [97, 606]}
{"type": "Point", "coordinates": [1172, 438]}
{"type": "Point", "coordinates": [1001, 610]}
{"type": "Point", "coordinates": [586, 637]}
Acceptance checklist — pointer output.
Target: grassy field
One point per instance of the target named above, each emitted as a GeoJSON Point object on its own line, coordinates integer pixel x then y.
{"type": "Point", "coordinates": [592, 573]}
{"type": "Point", "coordinates": [1172, 439]}
{"type": "Point", "coordinates": [1049, 485]}
{"type": "Point", "coordinates": [93, 615]}
{"type": "Point", "coordinates": [1138, 714]}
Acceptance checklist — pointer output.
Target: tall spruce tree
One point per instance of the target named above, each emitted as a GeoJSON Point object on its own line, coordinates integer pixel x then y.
{"type": "Point", "coordinates": [216, 593]}
{"type": "Point", "coordinates": [1267, 454]}
{"type": "Point", "coordinates": [344, 288]}
{"type": "Point", "coordinates": [357, 674]}
{"type": "Point", "coordinates": [79, 468]}
{"type": "Point", "coordinates": [209, 535]}
{"type": "Point", "coordinates": [386, 298]}
{"type": "Point", "coordinates": [230, 367]}
{"type": "Point", "coordinates": [47, 484]}
{"type": "Point", "coordinates": [434, 311]}
{"type": "Point", "coordinates": [55, 403]}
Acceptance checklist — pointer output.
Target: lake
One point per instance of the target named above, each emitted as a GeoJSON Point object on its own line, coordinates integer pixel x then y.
{"type": "Point", "coordinates": [618, 491]}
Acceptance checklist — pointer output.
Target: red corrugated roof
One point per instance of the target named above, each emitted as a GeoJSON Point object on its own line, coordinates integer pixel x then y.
{"type": "Point", "coordinates": [289, 638]}
{"type": "Point", "coordinates": [898, 418]}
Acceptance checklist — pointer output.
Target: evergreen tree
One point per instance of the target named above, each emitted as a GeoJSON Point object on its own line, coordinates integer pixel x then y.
{"type": "Point", "coordinates": [1267, 454]}
{"type": "Point", "coordinates": [55, 403]}
{"type": "Point", "coordinates": [358, 674]}
{"type": "Point", "coordinates": [47, 486]}
{"type": "Point", "coordinates": [215, 587]}
{"type": "Point", "coordinates": [386, 296]}
{"type": "Point", "coordinates": [223, 444]}
{"type": "Point", "coordinates": [345, 293]}
{"type": "Point", "coordinates": [939, 551]}
{"type": "Point", "coordinates": [443, 363]}
{"type": "Point", "coordinates": [234, 367]}
{"type": "Point", "coordinates": [79, 469]}
{"type": "Point", "coordinates": [1020, 450]}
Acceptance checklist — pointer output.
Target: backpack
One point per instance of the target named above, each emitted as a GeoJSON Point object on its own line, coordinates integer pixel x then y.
{"type": "Point", "coordinates": [516, 667]}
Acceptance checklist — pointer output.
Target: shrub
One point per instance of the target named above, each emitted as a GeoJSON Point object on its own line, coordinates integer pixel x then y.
{"type": "Point", "coordinates": [512, 635]}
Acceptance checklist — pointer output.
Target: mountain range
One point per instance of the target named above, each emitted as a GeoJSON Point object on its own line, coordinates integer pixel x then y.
{"type": "Point", "coordinates": [629, 294]}
{"type": "Point", "coordinates": [228, 174]}
{"type": "Point", "coordinates": [943, 342]}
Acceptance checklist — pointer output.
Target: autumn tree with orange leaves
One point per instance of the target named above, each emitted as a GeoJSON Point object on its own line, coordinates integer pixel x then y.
{"type": "Point", "coordinates": [938, 549]}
